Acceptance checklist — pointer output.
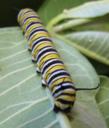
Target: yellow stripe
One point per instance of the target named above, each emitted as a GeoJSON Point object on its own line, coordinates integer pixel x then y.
{"type": "Point", "coordinates": [23, 11]}
{"type": "Point", "coordinates": [52, 69]}
{"type": "Point", "coordinates": [39, 47]}
{"type": "Point", "coordinates": [47, 58]}
{"type": "Point", "coordinates": [60, 80]}
{"type": "Point", "coordinates": [42, 63]}
{"type": "Point", "coordinates": [29, 32]}
{"type": "Point", "coordinates": [61, 105]}
{"type": "Point", "coordinates": [36, 36]}
{"type": "Point", "coordinates": [32, 27]}
{"type": "Point", "coordinates": [22, 18]}
{"type": "Point", "coordinates": [28, 21]}
{"type": "Point", "coordinates": [66, 97]}
{"type": "Point", "coordinates": [69, 91]}
{"type": "Point", "coordinates": [26, 15]}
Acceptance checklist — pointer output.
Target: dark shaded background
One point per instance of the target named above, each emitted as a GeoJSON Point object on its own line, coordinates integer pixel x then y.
{"type": "Point", "coordinates": [9, 10]}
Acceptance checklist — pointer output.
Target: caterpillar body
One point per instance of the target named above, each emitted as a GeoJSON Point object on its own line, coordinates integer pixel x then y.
{"type": "Point", "coordinates": [49, 63]}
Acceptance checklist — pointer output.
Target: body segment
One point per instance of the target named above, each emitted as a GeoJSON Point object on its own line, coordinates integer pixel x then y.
{"type": "Point", "coordinates": [49, 63]}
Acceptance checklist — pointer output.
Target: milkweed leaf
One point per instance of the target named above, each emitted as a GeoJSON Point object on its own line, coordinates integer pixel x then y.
{"type": "Point", "coordinates": [25, 104]}
{"type": "Point", "coordinates": [54, 5]}
{"type": "Point", "coordinates": [102, 98]}
{"type": "Point", "coordinates": [84, 12]}
{"type": "Point", "coordinates": [94, 44]}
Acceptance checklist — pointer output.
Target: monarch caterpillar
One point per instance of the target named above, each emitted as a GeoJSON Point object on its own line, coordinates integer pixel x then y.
{"type": "Point", "coordinates": [49, 63]}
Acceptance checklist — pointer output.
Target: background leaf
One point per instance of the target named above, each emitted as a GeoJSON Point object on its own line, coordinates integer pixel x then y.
{"type": "Point", "coordinates": [102, 98]}
{"type": "Point", "coordinates": [23, 102]}
{"type": "Point", "coordinates": [88, 10]}
{"type": "Point", "coordinates": [92, 43]}
{"type": "Point", "coordinates": [54, 7]}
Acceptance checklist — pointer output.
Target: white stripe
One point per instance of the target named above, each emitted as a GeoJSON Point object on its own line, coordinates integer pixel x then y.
{"type": "Point", "coordinates": [45, 48]}
{"type": "Point", "coordinates": [38, 40]}
{"type": "Point", "coordinates": [36, 33]}
{"type": "Point", "coordinates": [53, 52]}
{"type": "Point", "coordinates": [63, 85]}
{"type": "Point", "coordinates": [62, 76]}
{"type": "Point", "coordinates": [50, 67]}
{"type": "Point", "coordinates": [31, 26]}
{"type": "Point", "coordinates": [28, 16]}
{"type": "Point", "coordinates": [49, 61]}
{"type": "Point", "coordinates": [34, 49]}
{"type": "Point", "coordinates": [54, 73]}
{"type": "Point", "coordinates": [61, 91]}
{"type": "Point", "coordinates": [36, 45]}
{"type": "Point", "coordinates": [36, 28]}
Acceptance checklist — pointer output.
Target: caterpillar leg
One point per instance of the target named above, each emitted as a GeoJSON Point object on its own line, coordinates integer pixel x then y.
{"type": "Point", "coordinates": [38, 70]}
{"type": "Point", "coordinates": [43, 83]}
{"type": "Point", "coordinates": [33, 60]}
{"type": "Point", "coordinates": [56, 109]}
{"type": "Point", "coordinates": [29, 49]}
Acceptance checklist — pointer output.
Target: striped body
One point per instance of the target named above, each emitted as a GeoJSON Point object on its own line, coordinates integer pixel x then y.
{"type": "Point", "coordinates": [49, 63]}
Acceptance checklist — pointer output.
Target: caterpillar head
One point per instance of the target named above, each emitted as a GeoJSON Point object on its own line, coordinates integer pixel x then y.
{"type": "Point", "coordinates": [65, 100]}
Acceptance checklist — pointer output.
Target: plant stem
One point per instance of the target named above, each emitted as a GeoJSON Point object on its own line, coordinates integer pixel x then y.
{"type": "Point", "coordinates": [70, 24]}
{"type": "Point", "coordinates": [55, 20]}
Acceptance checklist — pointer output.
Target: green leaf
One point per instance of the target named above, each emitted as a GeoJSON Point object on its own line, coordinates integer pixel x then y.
{"type": "Point", "coordinates": [102, 98]}
{"type": "Point", "coordinates": [94, 44]}
{"type": "Point", "coordinates": [75, 61]}
{"type": "Point", "coordinates": [25, 104]}
{"type": "Point", "coordinates": [70, 24]}
{"type": "Point", "coordinates": [88, 10]}
{"type": "Point", "coordinates": [54, 7]}
{"type": "Point", "coordinates": [101, 68]}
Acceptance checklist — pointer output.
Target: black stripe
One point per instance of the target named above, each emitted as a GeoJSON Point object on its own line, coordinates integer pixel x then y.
{"type": "Point", "coordinates": [28, 11]}
{"type": "Point", "coordinates": [63, 88]}
{"type": "Point", "coordinates": [43, 48]}
{"type": "Point", "coordinates": [45, 51]}
{"type": "Point", "coordinates": [51, 63]}
{"type": "Point", "coordinates": [37, 30]}
{"type": "Point", "coordinates": [66, 94]}
{"type": "Point", "coordinates": [65, 101]}
{"type": "Point", "coordinates": [38, 41]}
{"type": "Point", "coordinates": [29, 18]}
{"type": "Point", "coordinates": [57, 75]}
{"type": "Point", "coordinates": [56, 71]}
{"type": "Point", "coordinates": [33, 23]}
{"type": "Point", "coordinates": [24, 13]}
{"type": "Point", "coordinates": [57, 109]}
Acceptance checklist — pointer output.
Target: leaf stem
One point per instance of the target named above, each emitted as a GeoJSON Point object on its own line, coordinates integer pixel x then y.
{"type": "Point", "coordinates": [55, 20]}
{"type": "Point", "coordinates": [70, 24]}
